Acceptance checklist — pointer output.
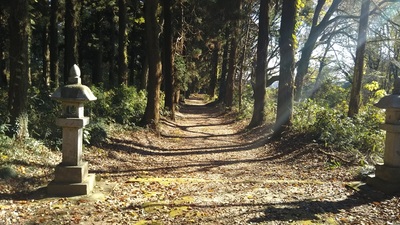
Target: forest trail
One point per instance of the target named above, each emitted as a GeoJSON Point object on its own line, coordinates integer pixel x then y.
{"type": "Point", "coordinates": [205, 168]}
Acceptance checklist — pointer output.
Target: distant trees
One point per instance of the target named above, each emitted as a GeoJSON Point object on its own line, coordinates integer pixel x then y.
{"type": "Point", "coordinates": [213, 47]}
{"type": "Point", "coordinates": [318, 25]}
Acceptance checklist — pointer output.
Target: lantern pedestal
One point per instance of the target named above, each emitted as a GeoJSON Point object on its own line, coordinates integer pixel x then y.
{"type": "Point", "coordinates": [387, 175]}
{"type": "Point", "coordinates": [386, 179]}
{"type": "Point", "coordinates": [72, 189]}
{"type": "Point", "coordinates": [71, 175]}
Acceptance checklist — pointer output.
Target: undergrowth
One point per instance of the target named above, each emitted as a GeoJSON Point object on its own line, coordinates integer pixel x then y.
{"type": "Point", "coordinates": [122, 105]}
{"type": "Point", "coordinates": [332, 128]}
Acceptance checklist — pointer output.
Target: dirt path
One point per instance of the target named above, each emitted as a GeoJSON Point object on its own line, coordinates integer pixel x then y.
{"type": "Point", "coordinates": [206, 169]}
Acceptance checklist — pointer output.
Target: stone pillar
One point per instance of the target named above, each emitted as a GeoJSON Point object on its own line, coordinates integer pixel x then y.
{"type": "Point", "coordinates": [387, 175]}
{"type": "Point", "coordinates": [71, 175]}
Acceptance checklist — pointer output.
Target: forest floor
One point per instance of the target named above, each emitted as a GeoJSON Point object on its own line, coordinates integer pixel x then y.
{"type": "Point", "coordinates": [204, 168]}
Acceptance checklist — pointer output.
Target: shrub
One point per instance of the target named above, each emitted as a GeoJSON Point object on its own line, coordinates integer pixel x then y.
{"type": "Point", "coordinates": [128, 105]}
{"type": "Point", "coordinates": [333, 128]}
{"type": "Point", "coordinates": [42, 114]}
{"type": "Point", "coordinates": [124, 105]}
{"type": "Point", "coordinates": [246, 111]}
{"type": "Point", "coordinates": [102, 107]}
{"type": "Point", "coordinates": [305, 116]}
{"type": "Point", "coordinates": [96, 133]}
{"type": "Point", "coordinates": [5, 141]}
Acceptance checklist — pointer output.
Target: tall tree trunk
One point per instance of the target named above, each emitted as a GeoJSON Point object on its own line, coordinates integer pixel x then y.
{"type": "Point", "coordinates": [152, 113]}
{"type": "Point", "coordinates": [45, 57]}
{"type": "Point", "coordinates": [3, 37]}
{"type": "Point", "coordinates": [3, 77]}
{"type": "Point", "coordinates": [224, 69]}
{"type": "Point", "coordinates": [112, 80]}
{"type": "Point", "coordinates": [262, 47]}
{"type": "Point", "coordinates": [54, 69]}
{"type": "Point", "coordinates": [286, 71]}
{"type": "Point", "coordinates": [241, 65]}
{"type": "Point", "coordinates": [169, 78]}
{"type": "Point", "coordinates": [309, 45]}
{"type": "Point", "coordinates": [214, 69]}
{"type": "Point", "coordinates": [70, 36]}
{"type": "Point", "coordinates": [179, 50]}
{"type": "Point", "coordinates": [233, 54]}
{"type": "Point", "coordinates": [231, 70]}
{"type": "Point", "coordinates": [97, 76]}
{"type": "Point", "coordinates": [122, 44]}
{"type": "Point", "coordinates": [19, 63]}
{"type": "Point", "coordinates": [144, 73]}
{"type": "Point", "coordinates": [355, 98]}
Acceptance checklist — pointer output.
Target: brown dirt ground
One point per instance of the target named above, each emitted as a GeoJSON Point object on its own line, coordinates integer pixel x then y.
{"type": "Point", "coordinates": [204, 168]}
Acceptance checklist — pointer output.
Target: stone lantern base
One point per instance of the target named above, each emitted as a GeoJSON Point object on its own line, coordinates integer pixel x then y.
{"type": "Point", "coordinates": [386, 179]}
{"type": "Point", "coordinates": [72, 181]}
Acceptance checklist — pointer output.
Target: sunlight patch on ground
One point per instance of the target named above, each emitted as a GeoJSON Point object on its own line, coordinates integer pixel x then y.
{"type": "Point", "coordinates": [168, 180]}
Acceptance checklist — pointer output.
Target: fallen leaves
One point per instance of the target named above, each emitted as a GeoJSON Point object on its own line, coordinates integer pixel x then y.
{"type": "Point", "coordinates": [200, 171]}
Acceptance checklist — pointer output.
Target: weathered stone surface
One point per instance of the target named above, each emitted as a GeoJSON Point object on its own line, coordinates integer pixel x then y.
{"type": "Point", "coordinates": [72, 146]}
{"type": "Point", "coordinates": [74, 92]}
{"type": "Point", "coordinates": [72, 122]}
{"type": "Point", "coordinates": [387, 176]}
{"type": "Point", "coordinates": [382, 185]}
{"type": "Point", "coordinates": [389, 101]}
{"type": "Point", "coordinates": [72, 189]}
{"type": "Point", "coordinates": [392, 149]}
{"type": "Point", "coordinates": [387, 173]}
{"type": "Point", "coordinates": [71, 174]}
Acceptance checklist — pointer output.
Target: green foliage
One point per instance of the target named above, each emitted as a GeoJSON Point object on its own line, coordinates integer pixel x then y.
{"type": "Point", "coordinates": [124, 105]}
{"type": "Point", "coordinates": [4, 115]}
{"type": "Point", "coordinates": [7, 172]}
{"type": "Point", "coordinates": [5, 141]}
{"type": "Point", "coordinates": [42, 114]}
{"type": "Point", "coordinates": [271, 96]}
{"type": "Point", "coordinates": [102, 107]}
{"type": "Point", "coordinates": [305, 116]}
{"type": "Point", "coordinates": [332, 164]}
{"type": "Point", "coordinates": [181, 72]}
{"type": "Point", "coordinates": [247, 103]}
{"type": "Point", "coordinates": [129, 105]}
{"type": "Point", "coordinates": [246, 112]}
{"type": "Point", "coordinates": [96, 133]}
{"type": "Point", "coordinates": [333, 128]}
{"type": "Point", "coordinates": [373, 92]}
{"type": "Point", "coordinates": [332, 95]}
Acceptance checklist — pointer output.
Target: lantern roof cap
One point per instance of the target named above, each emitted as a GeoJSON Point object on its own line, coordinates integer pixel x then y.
{"type": "Point", "coordinates": [389, 102]}
{"type": "Point", "coordinates": [74, 91]}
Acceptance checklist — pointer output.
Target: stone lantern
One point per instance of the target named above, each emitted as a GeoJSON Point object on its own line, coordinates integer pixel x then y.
{"type": "Point", "coordinates": [387, 175]}
{"type": "Point", "coordinates": [71, 175]}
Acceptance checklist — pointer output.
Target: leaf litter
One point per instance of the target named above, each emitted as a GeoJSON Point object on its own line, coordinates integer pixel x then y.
{"type": "Point", "coordinates": [203, 168]}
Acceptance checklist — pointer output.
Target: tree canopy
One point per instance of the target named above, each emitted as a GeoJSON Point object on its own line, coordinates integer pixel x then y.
{"type": "Point", "coordinates": [203, 46]}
